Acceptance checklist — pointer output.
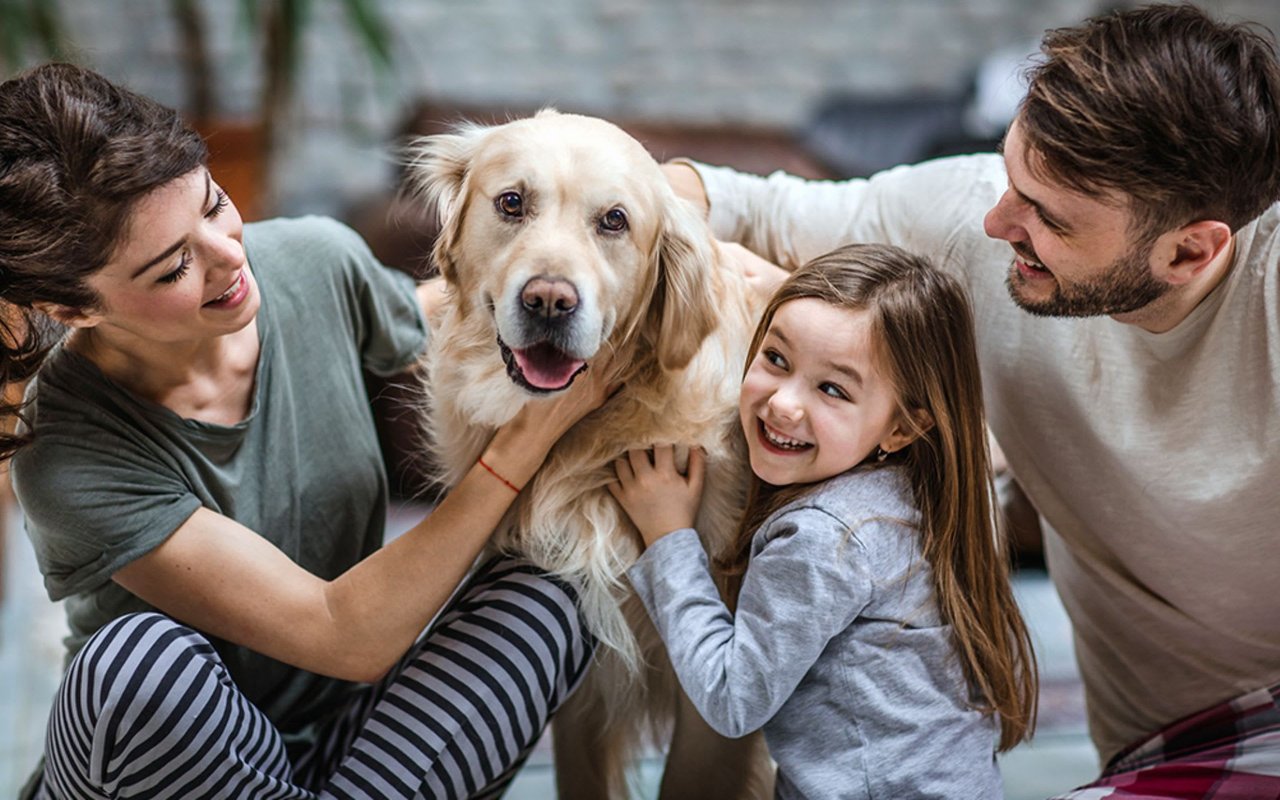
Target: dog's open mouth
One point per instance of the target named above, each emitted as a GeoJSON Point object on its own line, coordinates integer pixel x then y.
{"type": "Point", "coordinates": [542, 367]}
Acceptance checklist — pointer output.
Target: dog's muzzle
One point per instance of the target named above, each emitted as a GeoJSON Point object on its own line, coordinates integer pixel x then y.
{"type": "Point", "coordinates": [542, 368]}
{"type": "Point", "coordinates": [546, 364]}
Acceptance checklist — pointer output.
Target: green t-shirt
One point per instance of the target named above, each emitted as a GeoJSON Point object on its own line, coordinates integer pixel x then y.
{"type": "Point", "coordinates": [110, 476]}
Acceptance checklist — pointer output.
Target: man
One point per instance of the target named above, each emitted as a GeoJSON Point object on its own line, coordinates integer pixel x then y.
{"type": "Point", "coordinates": [1134, 381]}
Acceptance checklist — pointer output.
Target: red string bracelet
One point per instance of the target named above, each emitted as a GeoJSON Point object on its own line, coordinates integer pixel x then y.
{"type": "Point", "coordinates": [495, 474]}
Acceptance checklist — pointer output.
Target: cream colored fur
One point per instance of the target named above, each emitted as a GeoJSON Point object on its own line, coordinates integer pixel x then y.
{"type": "Point", "coordinates": [679, 322]}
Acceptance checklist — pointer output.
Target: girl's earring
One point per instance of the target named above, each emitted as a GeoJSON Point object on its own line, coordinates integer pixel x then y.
{"type": "Point", "coordinates": [881, 454]}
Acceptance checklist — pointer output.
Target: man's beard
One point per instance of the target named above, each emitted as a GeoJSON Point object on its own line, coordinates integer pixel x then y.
{"type": "Point", "coordinates": [1125, 286]}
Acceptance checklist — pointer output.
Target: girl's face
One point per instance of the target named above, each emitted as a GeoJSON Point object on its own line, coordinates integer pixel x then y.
{"type": "Point", "coordinates": [814, 403]}
{"type": "Point", "coordinates": [180, 274]}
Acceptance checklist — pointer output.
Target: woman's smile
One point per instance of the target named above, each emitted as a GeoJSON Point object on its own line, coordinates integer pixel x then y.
{"type": "Point", "coordinates": [234, 295]}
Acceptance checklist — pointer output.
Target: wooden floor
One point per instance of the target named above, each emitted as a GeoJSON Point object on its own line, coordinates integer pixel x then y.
{"type": "Point", "coordinates": [31, 628]}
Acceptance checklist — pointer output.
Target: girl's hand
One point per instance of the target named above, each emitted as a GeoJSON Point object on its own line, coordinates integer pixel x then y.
{"type": "Point", "coordinates": [654, 494]}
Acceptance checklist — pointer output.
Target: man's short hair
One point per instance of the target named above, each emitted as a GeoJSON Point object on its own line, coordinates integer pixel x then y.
{"type": "Point", "coordinates": [1174, 110]}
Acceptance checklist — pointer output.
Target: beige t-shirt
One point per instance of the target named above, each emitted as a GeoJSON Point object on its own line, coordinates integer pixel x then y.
{"type": "Point", "coordinates": [1154, 458]}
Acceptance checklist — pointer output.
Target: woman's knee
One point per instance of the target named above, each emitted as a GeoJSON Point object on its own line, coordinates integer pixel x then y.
{"type": "Point", "coordinates": [128, 679]}
{"type": "Point", "coordinates": [538, 614]}
{"type": "Point", "coordinates": [130, 656]}
{"type": "Point", "coordinates": [148, 702]}
{"type": "Point", "coordinates": [549, 604]}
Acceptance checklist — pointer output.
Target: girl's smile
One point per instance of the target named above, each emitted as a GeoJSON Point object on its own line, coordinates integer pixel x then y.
{"type": "Point", "coordinates": [775, 440]}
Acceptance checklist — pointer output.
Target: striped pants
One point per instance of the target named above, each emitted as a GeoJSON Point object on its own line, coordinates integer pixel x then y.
{"type": "Point", "coordinates": [148, 710]}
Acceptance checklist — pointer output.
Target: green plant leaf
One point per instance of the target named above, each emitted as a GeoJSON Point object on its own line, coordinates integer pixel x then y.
{"type": "Point", "coordinates": [373, 33]}
{"type": "Point", "coordinates": [26, 26]}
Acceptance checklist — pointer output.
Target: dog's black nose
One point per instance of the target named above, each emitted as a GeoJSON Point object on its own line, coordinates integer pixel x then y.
{"type": "Point", "coordinates": [549, 297]}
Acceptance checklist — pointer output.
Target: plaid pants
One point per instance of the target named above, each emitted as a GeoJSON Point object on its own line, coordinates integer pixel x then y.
{"type": "Point", "coordinates": [1228, 752]}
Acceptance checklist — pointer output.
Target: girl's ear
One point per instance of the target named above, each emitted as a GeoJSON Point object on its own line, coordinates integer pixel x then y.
{"type": "Point", "coordinates": [909, 427]}
{"type": "Point", "coordinates": [68, 316]}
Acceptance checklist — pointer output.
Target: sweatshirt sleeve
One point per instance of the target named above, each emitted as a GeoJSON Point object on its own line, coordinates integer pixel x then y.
{"type": "Point", "coordinates": [933, 209]}
{"type": "Point", "coordinates": [804, 585]}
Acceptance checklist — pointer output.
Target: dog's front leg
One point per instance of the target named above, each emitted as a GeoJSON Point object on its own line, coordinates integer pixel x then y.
{"type": "Point", "coordinates": [588, 751]}
{"type": "Point", "coordinates": [704, 764]}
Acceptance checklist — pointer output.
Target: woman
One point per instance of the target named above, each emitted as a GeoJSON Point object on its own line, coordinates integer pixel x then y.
{"type": "Point", "coordinates": [202, 483]}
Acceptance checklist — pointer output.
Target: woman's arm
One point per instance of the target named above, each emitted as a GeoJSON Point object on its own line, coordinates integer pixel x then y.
{"type": "Point", "coordinates": [432, 294]}
{"type": "Point", "coordinates": [223, 578]}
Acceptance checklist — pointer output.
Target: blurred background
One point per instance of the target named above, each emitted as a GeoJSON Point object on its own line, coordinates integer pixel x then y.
{"type": "Point", "coordinates": [340, 79]}
{"type": "Point", "coordinates": [304, 103]}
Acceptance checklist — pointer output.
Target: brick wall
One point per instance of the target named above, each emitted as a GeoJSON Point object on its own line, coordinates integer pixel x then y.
{"type": "Point", "coordinates": [749, 62]}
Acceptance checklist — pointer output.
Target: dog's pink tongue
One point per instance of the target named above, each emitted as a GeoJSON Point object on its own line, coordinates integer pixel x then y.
{"type": "Point", "coordinates": [546, 367]}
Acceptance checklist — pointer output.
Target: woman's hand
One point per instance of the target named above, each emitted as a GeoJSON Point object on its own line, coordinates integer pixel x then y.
{"type": "Point", "coordinates": [432, 293]}
{"type": "Point", "coordinates": [519, 447]}
{"type": "Point", "coordinates": [548, 421]}
{"type": "Point", "coordinates": [588, 392]}
{"type": "Point", "coordinates": [654, 494]}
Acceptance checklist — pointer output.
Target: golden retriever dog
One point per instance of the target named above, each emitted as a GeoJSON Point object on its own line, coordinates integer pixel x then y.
{"type": "Point", "coordinates": [561, 243]}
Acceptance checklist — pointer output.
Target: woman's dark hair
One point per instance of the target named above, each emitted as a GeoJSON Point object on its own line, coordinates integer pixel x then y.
{"type": "Point", "coordinates": [76, 153]}
{"type": "Point", "coordinates": [924, 344]}
{"type": "Point", "coordinates": [1164, 106]}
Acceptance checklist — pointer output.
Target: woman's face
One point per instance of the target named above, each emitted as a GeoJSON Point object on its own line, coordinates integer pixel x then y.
{"type": "Point", "coordinates": [179, 275]}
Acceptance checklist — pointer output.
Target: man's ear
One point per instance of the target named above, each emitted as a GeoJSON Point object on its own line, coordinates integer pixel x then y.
{"type": "Point", "coordinates": [68, 316]}
{"type": "Point", "coordinates": [1184, 253]}
{"type": "Point", "coordinates": [909, 427]}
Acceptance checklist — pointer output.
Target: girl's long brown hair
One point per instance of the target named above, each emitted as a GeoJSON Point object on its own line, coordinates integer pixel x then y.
{"type": "Point", "coordinates": [922, 325]}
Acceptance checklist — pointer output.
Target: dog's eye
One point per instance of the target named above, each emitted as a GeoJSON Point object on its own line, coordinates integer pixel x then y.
{"type": "Point", "coordinates": [614, 220]}
{"type": "Point", "coordinates": [510, 204]}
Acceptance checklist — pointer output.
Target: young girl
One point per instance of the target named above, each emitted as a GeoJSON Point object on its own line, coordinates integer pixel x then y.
{"type": "Point", "coordinates": [875, 636]}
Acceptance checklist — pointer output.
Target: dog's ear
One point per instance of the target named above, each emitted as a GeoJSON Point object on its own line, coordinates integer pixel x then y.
{"type": "Point", "coordinates": [683, 311]}
{"type": "Point", "coordinates": [439, 169]}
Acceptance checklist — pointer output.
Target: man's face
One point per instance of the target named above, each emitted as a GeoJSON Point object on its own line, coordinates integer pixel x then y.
{"type": "Point", "coordinates": [1073, 255]}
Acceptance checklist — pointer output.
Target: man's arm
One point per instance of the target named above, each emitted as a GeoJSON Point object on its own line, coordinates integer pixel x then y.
{"type": "Point", "coordinates": [789, 220]}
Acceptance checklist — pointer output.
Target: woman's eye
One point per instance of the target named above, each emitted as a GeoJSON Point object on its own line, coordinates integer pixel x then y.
{"type": "Point", "coordinates": [614, 220]}
{"type": "Point", "coordinates": [510, 204]}
{"type": "Point", "coordinates": [175, 275]}
{"type": "Point", "coordinates": [219, 206]}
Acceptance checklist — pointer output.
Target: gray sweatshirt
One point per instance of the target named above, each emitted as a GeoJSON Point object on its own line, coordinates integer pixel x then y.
{"type": "Point", "coordinates": [837, 649]}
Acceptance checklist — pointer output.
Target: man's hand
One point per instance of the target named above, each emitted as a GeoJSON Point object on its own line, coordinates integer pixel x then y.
{"type": "Point", "coordinates": [654, 494]}
{"type": "Point", "coordinates": [763, 277]}
{"type": "Point", "coordinates": [686, 183]}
